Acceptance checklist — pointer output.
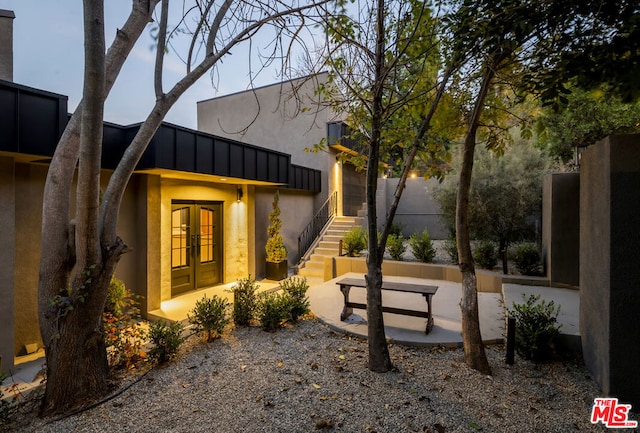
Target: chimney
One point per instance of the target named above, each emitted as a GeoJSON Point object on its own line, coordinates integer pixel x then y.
{"type": "Point", "coordinates": [6, 44]}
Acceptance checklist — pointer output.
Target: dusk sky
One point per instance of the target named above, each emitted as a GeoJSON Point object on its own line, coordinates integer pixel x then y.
{"type": "Point", "coordinates": [48, 54]}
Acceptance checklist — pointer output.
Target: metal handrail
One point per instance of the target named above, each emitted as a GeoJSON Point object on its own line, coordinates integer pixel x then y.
{"type": "Point", "coordinates": [310, 233]}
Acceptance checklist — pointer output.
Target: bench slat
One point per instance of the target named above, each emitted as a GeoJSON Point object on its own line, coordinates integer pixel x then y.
{"type": "Point", "coordinates": [394, 310]}
{"type": "Point", "coordinates": [391, 285]}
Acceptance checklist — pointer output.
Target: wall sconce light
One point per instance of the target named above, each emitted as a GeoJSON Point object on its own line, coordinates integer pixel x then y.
{"type": "Point", "coordinates": [239, 193]}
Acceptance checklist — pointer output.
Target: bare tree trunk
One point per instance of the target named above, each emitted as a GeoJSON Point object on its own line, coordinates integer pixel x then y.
{"type": "Point", "coordinates": [58, 254]}
{"type": "Point", "coordinates": [379, 358]}
{"type": "Point", "coordinates": [72, 381]}
{"type": "Point", "coordinates": [474, 353]}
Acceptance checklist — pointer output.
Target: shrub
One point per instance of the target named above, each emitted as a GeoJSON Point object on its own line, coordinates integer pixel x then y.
{"type": "Point", "coordinates": [272, 310]}
{"type": "Point", "coordinates": [485, 255]}
{"type": "Point", "coordinates": [396, 229]}
{"type": "Point", "coordinates": [396, 246]}
{"type": "Point", "coordinates": [421, 246]}
{"type": "Point", "coordinates": [166, 339]}
{"type": "Point", "coordinates": [354, 241]}
{"type": "Point", "coordinates": [451, 247]}
{"type": "Point", "coordinates": [123, 333]}
{"type": "Point", "coordinates": [244, 300]}
{"type": "Point", "coordinates": [210, 315]}
{"type": "Point", "coordinates": [526, 258]}
{"type": "Point", "coordinates": [295, 288]}
{"type": "Point", "coordinates": [536, 327]}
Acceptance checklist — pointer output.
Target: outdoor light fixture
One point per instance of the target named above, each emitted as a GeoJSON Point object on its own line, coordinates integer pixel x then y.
{"type": "Point", "coordinates": [239, 193]}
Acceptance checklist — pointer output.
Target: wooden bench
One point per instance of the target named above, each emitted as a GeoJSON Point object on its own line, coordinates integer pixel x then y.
{"type": "Point", "coordinates": [425, 290]}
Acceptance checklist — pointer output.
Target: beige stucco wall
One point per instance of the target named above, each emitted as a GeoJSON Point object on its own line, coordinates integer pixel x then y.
{"type": "Point", "coordinates": [286, 117]}
{"type": "Point", "coordinates": [236, 217]}
{"type": "Point", "coordinates": [29, 180]}
{"type": "Point", "coordinates": [296, 210]}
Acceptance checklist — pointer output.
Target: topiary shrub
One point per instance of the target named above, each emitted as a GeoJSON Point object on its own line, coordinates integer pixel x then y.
{"type": "Point", "coordinates": [272, 309]}
{"type": "Point", "coordinates": [536, 327]}
{"type": "Point", "coordinates": [485, 254]}
{"type": "Point", "coordinates": [210, 315]}
{"type": "Point", "coordinates": [244, 300]}
{"type": "Point", "coordinates": [166, 340]}
{"type": "Point", "coordinates": [354, 241]}
{"type": "Point", "coordinates": [422, 247]}
{"type": "Point", "coordinates": [396, 246]}
{"type": "Point", "coordinates": [295, 288]}
{"type": "Point", "coordinates": [275, 249]}
{"type": "Point", "coordinates": [526, 258]}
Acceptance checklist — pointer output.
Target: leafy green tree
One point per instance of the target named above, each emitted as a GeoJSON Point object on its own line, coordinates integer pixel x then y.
{"type": "Point", "coordinates": [506, 191]}
{"type": "Point", "coordinates": [387, 77]}
{"type": "Point", "coordinates": [586, 117]}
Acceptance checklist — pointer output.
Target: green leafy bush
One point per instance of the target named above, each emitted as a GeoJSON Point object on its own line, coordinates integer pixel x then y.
{"type": "Point", "coordinates": [354, 241]}
{"type": "Point", "coordinates": [451, 247]}
{"type": "Point", "coordinates": [396, 229]}
{"type": "Point", "coordinates": [272, 309]}
{"type": "Point", "coordinates": [526, 258]}
{"type": "Point", "coordinates": [536, 327]}
{"type": "Point", "coordinates": [295, 288]}
{"type": "Point", "coordinates": [210, 315]}
{"type": "Point", "coordinates": [422, 247]}
{"type": "Point", "coordinates": [166, 340]}
{"type": "Point", "coordinates": [123, 332]}
{"type": "Point", "coordinates": [485, 254]}
{"type": "Point", "coordinates": [244, 300]}
{"type": "Point", "coordinates": [396, 246]}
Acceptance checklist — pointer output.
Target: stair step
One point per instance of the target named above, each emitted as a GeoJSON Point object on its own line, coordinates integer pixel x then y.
{"type": "Point", "coordinates": [326, 251]}
{"type": "Point", "coordinates": [329, 244]}
{"type": "Point", "coordinates": [311, 264]}
{"type": "Point", "coordinates": [307, 272]}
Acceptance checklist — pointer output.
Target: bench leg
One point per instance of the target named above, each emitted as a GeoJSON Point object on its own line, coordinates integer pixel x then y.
{"type": "Point", "coordinates": [346, 311]}
{"type": "Point", "coordinates": [430, 316]}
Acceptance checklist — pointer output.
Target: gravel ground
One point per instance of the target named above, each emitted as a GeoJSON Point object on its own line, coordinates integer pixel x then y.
{"type": "Point", "coordinates": [309, 378]}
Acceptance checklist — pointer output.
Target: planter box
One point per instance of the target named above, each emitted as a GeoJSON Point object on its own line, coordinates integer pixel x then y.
{"type": "Point", "coordinates": [277, 270]}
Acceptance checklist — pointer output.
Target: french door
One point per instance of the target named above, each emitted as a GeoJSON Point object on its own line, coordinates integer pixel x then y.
{"type": "Point", "coordinates": [196, 248]}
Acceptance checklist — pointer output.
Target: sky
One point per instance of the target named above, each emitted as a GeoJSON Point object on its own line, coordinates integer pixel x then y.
{"type": "Point", "coordinates": [48, 55]}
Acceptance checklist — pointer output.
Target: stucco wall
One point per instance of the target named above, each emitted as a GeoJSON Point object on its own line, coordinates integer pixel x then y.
{"type": "Point", "coordinates": [561, 227]}
{"type": "Point", "coordinates": [7, 259]}
{"type": "Point", "coordinates": [29, 194]}
{"type": "Point", "coordinates": [417, 209]}
{"type": "Point", "coordinates": [609, 271]}
{"type": "Point", "coordinates": [236, 217]}
{"type": "Point", "coordinates": [271, 117]}
{"type": "Point", "coordinates": [296, 210]}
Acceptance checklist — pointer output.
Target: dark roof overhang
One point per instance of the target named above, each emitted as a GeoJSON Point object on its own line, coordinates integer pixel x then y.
{"type": "Point", "coordinates": [33, 120]}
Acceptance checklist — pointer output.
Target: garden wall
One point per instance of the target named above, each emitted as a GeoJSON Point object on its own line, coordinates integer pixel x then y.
{"type": "Point", "coordinates": [561, 228]}
{"type": "Point", "coordinates": [487, 281]}
{"type": "Point", "coordinates": [609, 270]}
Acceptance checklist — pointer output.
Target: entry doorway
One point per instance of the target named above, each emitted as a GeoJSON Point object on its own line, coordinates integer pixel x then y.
{"type": "Point", "coordinates": [196, 247]}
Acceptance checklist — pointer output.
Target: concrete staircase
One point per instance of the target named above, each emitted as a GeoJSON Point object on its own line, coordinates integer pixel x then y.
{"type": "Point", "coordinates": [327, 246]}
